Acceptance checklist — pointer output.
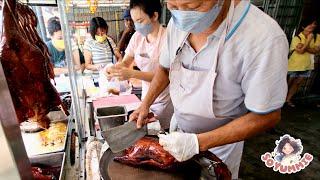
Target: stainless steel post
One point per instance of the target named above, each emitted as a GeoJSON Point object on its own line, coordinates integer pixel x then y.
{"type": "Point", "coordinates": [12, 151]}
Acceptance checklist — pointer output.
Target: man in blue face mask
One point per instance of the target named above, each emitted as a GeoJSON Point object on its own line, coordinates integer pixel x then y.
{"type": "Point", "coordinates": [225, 62]}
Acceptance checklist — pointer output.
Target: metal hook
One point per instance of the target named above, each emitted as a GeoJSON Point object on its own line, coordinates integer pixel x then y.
{"type": "Point", "coordinates": [213, 164]}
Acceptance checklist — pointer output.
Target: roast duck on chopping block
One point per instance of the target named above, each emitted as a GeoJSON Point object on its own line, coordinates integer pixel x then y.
{"type": "Point", "coordinates": [26, 64]}
{"type": "Point", "coordinates": [148, 152]}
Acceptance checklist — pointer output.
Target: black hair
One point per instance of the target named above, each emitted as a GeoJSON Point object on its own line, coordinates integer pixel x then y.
{"type": "Point", "coordinates": [286, 140]}
{"type": "Point", "coordinates": [54, 25]}
{"type": "Point", "coordinates": [95, 23]}
{"type": "Point", "coordinates": [304, 23]}
{"type": "Point", "coordinates": [149, 7]}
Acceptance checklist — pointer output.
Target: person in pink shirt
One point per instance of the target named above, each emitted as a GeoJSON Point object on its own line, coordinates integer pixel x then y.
{"type": "Point", "coordinates": [144, 50]}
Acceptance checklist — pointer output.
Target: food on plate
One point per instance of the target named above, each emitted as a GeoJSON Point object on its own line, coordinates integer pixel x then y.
{"type": "Point", "coordinates": [55, 135]}
{"type": "Point", "coordinates": [147, 151]}
{"type": "Point", "coordinates": [26, 64]}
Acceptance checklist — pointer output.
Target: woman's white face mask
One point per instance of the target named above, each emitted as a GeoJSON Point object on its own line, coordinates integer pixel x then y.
{"type": "Point", "coordinates": [142, 22]}
{"type": "Point", "coordinates": [195, 21]}
{"type": "Point", "coordinates": [143, 29]}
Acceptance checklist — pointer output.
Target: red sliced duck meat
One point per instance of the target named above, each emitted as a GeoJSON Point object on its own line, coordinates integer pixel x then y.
{"type": "Point", "coordinates": [38, 174]}
{"type": "Point", "coordinates": [147, 151]}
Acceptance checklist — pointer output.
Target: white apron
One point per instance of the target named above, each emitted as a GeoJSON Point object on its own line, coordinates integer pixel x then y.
{"type": "Point", "coordinates": [192, 96]}
{"type": "Point", "coordinates": [148, 62]}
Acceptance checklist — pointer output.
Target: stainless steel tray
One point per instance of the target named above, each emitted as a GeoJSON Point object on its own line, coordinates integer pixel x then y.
{"type": "Point", "coordinates": [111, 116]}
{"type": "Point", "coordinates": [52, 160]}
{"type": "Point", "coordinates": [33, 146]}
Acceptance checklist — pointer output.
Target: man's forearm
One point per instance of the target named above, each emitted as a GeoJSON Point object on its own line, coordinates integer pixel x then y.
{"type": "Point", "coordinates": [238, 129]}
{"type": "Point", "coordinates": [159, 82]}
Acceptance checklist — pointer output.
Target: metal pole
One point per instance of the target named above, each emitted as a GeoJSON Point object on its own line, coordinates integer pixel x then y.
{"type": "Point", "coordinates": [73, 75]}
{"type": "Point", "coordinates": [78, 98]}
{"type": "Point", "coordinates": [41, 23]}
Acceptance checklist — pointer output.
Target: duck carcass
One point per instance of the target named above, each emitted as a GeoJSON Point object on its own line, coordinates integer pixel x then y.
{"type": "Point", "coordinates": [26, 64]}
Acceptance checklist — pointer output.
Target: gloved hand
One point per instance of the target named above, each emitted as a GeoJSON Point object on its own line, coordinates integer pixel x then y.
{"type": "Point", "coordinates": [182, 146]}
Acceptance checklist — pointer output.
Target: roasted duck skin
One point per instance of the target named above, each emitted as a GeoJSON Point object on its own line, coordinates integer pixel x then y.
{"type": "Point", "coordinates": [147, 151]}
{"type": "Point", "coordinates": [26, 64]}
{"type": "Point", "coordinates": [38, 174]}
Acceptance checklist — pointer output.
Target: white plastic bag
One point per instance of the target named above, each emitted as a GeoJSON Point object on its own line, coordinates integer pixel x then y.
{"type": "Point", "coordinates": [114, 85]}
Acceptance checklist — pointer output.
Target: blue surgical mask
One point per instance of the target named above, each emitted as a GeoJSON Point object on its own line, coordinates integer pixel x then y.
{"type": "Point", "coordinates": [195, 21]}
{"type": "Point", "coordinates": [143, 29]}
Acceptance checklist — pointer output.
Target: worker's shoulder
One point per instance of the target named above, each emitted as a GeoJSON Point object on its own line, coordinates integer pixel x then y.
{"type": "Point", "coordinates": [174, 35]}
{"type": "Point", "coordinates": [136, 35]}
{"type": "Point", "coordinates": [260, 25]}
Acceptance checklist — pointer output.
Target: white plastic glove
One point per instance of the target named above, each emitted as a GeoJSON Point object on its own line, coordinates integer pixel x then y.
{"type": "Point", "coordinates": [182, 146]}
{"type": "Point", "coordinates": [153, 127]}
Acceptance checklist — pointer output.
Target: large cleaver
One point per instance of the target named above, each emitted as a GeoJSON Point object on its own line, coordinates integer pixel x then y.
{"type": "Point", "coordinates": [121, 137]}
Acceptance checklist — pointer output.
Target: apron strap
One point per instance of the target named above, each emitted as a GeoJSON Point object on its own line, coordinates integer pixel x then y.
{"type": "Point", "coordinates": [233, 30]}
{"type": "Point", "coordinates": [223, 37]}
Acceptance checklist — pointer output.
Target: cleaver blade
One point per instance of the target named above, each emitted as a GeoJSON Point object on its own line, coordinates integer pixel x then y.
{"type": "Point", "coordinates": [121, 137]}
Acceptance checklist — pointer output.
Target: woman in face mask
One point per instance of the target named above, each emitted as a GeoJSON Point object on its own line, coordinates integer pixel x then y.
{"type": "Point", "coordinates": [56, 48]}
{"type": "Point", "coordinates": [100, 49]}
{"type": "Point", "coordinates": [144, 49]}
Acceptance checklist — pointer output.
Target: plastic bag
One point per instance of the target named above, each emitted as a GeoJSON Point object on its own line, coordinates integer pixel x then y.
{"type": "Point", "coordinates": [112, 86]}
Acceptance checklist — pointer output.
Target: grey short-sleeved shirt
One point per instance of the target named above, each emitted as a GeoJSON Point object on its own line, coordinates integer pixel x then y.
{"type": "Point", "coordinates": [101, 52]}
{"type": "Point", "coordinates": [252, 67]}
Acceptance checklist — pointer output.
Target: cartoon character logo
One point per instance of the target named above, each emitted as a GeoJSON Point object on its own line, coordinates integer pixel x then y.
{"type": "Point", "coordinates": [286, 157]}
{"type": "Point", "coordinates": [288, 150]}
